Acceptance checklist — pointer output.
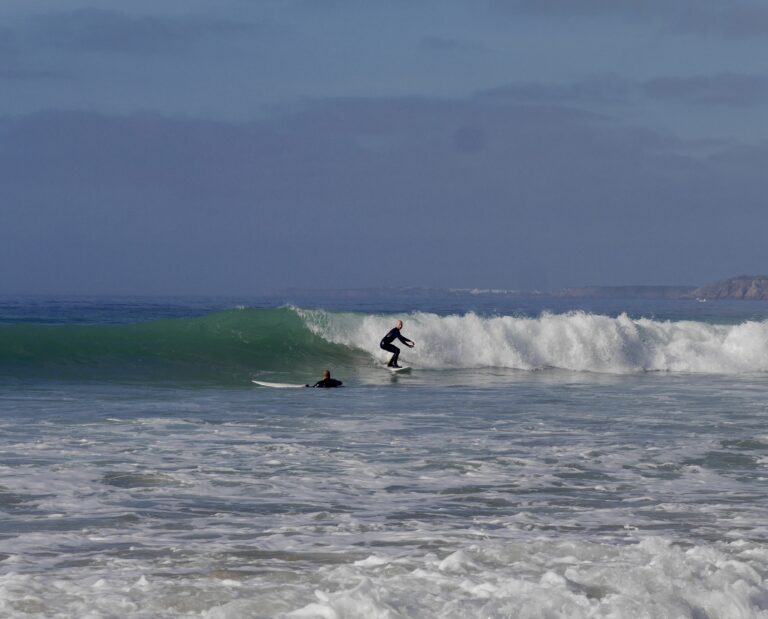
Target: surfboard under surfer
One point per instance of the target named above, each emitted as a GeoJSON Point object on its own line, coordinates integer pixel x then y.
{"type": "Point", "coordinates": [386, 343]}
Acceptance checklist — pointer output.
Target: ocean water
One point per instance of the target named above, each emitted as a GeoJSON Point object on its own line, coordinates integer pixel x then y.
{"type": "Point", "coordinates": [546, 458]}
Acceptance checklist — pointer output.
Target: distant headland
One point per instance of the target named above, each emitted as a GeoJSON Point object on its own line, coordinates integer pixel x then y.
{"type": "Point", "coordinates": [741, 287]}
{"type": "Point", "coordinates": [752, 287]}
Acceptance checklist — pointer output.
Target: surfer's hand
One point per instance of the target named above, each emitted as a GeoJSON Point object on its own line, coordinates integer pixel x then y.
{"type": "Point", "coordinates": [411, 344]}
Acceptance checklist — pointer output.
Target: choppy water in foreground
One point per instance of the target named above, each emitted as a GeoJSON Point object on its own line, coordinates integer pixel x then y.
{"type": "Point", "coordinates": [477, 491]}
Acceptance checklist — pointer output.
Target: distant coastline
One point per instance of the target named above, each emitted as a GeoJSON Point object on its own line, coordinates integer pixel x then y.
{"type": "Point", "coordinates": [628, 292]}
{"type": "Point", "coordinates": [742, 287]}
{"type": "Point", "coordinates": [746, 287]}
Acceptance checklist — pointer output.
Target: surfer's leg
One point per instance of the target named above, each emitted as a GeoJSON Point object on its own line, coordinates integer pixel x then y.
{"type": "Point", "coordinates": [393, 362]}
{"type": "Point", "coordinates": [393, 349]}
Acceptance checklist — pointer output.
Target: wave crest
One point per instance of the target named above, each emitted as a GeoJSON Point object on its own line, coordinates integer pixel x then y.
{"type": "Point", "coordinates": [294, 343]}
{"type": "Point", "coordinates": [576, 341]}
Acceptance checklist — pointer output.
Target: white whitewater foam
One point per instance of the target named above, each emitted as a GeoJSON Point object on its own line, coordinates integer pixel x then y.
{"type": "Point", "coordinates": [649, 579]}
{"type": "Point", "coordinates": [469, 513]}
{"type": "Point", "coordinates": [574, 341]}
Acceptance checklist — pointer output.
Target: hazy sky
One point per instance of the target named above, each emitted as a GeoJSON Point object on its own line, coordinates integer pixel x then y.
{"type": "Point", "coordinates": [233, 146]}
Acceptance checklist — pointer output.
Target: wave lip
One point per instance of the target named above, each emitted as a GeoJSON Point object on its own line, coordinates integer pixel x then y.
{"type": "Point", "coordinates": [577, 341]}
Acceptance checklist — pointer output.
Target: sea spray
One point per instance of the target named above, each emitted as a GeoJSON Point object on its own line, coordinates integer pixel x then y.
{"type": "Point", "coordinates": [575, 341]}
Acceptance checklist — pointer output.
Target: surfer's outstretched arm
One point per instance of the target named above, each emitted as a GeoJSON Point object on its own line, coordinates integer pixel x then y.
{"type": "Point", "coordinates": [406, 341]}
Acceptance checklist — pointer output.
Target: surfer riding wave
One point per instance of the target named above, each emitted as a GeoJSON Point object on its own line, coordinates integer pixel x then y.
{"type": "Point", "coordinates": [386, 343]}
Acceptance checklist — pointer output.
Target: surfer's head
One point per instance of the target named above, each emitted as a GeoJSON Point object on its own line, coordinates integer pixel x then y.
{"type": "Point", "coordinates": [399, 324]}
{"type": "Point", "coordinates": [326, 374]}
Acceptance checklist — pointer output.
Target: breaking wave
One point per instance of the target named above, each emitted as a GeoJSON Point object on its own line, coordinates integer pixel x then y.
{"type": "Point", "coordinates": [574, 341]}
{"type": "Point", "coordinates": [233, 345]}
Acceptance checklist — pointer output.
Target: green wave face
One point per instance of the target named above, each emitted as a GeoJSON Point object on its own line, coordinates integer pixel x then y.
{"type": "Point", "coordinates": [228, 346]}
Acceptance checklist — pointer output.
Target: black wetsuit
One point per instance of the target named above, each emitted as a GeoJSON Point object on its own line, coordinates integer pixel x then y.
{"type": "Point", "coordinates": [386, 344]}
{"type": "Point", "coordinates": [327, 382]}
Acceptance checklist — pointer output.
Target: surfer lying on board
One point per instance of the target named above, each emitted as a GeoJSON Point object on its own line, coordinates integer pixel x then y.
{"type": "Point", "coordinates": [327, 381]}
{"type": "Point", "coordinates": [386, 343]}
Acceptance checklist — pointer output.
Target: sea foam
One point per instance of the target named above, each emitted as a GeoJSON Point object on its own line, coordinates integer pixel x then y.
{"type": "Point", "coordinates": [576, 341]}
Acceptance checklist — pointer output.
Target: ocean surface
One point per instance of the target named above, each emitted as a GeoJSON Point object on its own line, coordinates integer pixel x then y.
{"type": "Point", "coordinates": [545, 458]}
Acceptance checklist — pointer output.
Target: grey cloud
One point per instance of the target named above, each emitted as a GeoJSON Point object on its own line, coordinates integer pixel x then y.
{"type": "Point", "coordinates": [736, 20]}
{"type": "Point", "coordinates": [452, 193]}
{"type": "Point", "coordinates": [720, 89]}
{"type": "Point", "coordinates": [14, 66]}
{"type": "Point", "coordinates": [745, 160]}
{"type": "Point", "coordinates": [449, 44]}
{"type": "Point", "coordinates": [600, 89]}
{"type": "Point", "coordinates": [567, 7]}
{"type": "Point", "coordinates": [723, 89]}
{"type": "Point", "coordinates": [699, 17]}
{"type": "Point", "coordinates": [102, 30]}
{"type": "Point", "coordinates": [591, 8]}
{"type": "Point", "coordinates": [19, 74]}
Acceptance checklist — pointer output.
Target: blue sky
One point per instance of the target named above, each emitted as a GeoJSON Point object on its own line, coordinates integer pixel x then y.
{"type": "Point", "coordinates": [236, 146]}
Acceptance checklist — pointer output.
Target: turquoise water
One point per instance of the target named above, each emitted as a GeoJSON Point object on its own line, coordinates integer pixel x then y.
{"type": "Point", "coordinates": [542, 460]}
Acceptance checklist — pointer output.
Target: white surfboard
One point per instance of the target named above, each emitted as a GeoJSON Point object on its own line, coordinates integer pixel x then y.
{"type": "Point", "coordinates": [263, 383]}
{"type": "Point", "coordinates": [401, 370]}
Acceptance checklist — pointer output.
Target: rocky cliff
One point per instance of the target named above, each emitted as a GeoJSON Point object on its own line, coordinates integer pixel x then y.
{"type": "Point", "coordinates": [741, 287]}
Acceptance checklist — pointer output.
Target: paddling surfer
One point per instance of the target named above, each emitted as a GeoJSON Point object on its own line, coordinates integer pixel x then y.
{"type": "Point", "coordinates": [327, 381]}
{"type": "Point", "coordinates": [386, 343]}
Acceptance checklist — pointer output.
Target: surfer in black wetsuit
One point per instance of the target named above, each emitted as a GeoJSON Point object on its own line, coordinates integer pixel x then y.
{"type": "Point", "coordinates": [386, 343]}
{"type": "Point", "coordinates": [327, 381]}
